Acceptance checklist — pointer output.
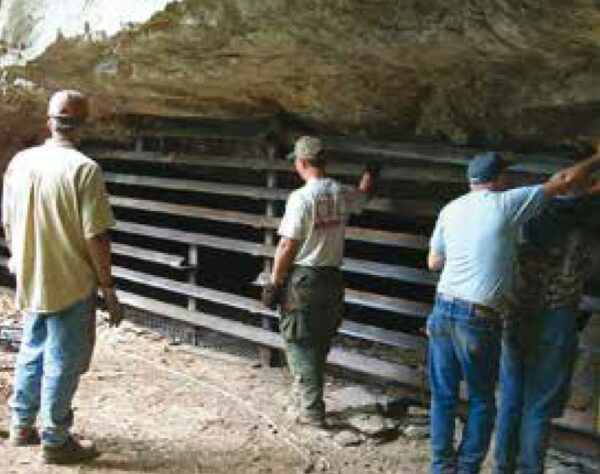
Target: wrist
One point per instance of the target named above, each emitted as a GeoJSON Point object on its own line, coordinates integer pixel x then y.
{"type": "Point", "coordinates": [107, 289]}
{"type": "Point", "coordinates": [275, 281]}
{"type": "Point", "coordinates": [106, 284]}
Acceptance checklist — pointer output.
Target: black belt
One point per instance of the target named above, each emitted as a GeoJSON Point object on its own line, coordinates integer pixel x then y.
{"type": "Point", "coordinates": [479, 310]}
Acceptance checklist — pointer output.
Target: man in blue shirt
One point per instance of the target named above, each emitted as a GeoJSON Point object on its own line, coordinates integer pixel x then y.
{"type": "Point", "coordinates": [474, 244]}
{"type": "Point", "coordinates": [539, 343]}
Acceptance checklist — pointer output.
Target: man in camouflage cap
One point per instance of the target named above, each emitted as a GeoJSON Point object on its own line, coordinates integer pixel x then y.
{"type": "Point", "coordinates": [306, 276]}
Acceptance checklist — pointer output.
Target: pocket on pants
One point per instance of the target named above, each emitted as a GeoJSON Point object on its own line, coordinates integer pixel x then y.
{"type": "Point", "coordinates": [297, 292]}
{"type": "Point", "coordinates": [295, 308]}
{"type": "Point", "coordinates": [293, 325]}
{"type": "Point", "coordinates": [480, 341]}
{"type": "Point", "coordinates": [436, 325]}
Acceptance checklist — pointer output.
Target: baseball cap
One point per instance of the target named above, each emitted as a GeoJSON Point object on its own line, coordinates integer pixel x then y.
{"type": "Point", "coordinates": [70, 108]}
{"type": "Point", "coordinates": [307, 147]}
{"type": "Point", "coordinates": [486, 167]}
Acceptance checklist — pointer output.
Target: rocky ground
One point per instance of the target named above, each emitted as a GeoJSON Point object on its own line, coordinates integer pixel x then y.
{"type": "Point", "coordinates": [158, 407]}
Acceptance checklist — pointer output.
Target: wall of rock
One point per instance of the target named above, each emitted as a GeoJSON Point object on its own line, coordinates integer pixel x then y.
{"type": "Point", "coordinates": [464, 71]}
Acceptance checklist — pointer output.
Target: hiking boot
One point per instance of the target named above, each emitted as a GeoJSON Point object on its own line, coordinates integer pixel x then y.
{"type": "Point", "coordinates": [24, 436]}
{"type": "Point", "coordinates": [71, 452]}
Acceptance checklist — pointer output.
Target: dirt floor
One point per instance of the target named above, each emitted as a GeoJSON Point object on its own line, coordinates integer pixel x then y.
{"type": "Point", "coordinates": [157, 407]}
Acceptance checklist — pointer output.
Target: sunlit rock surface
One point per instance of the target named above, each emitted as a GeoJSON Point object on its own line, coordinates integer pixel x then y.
{"type": "Point", "coordinates": [28, 27]}
{"type": "Point", "coordinates": [460, 71]}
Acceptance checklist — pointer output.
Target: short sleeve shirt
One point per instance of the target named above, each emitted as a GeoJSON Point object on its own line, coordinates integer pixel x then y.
{"type": "Point", "coordinates": [316, 217]}
{"type": "Point", "coordinates": [54, 198]}
{"type": "Point", "coordinates": [477, 234]}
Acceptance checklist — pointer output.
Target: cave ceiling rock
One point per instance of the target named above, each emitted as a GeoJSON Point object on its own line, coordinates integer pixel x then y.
{"type": "Point", "coordinates": [453, 69]}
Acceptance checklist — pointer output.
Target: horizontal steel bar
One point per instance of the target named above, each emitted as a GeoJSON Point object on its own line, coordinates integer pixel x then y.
{"type": "Point", "coordinates": [428, 153]}
{"type": "Point", "coordinates": [588, 303]}
{"type": "Point", "coordinates": [350, 328]}
{"type": "Point", "coordinates": [396, 206]}
{"type": "Point", "coordinates": [390, 171]}
{"type": "Point", "coordinates": [239, 190]}
{"type": "Point", "coordinates": [388, 303]}
{"type": "Point", "coordinates": [436, 154]}
{"type": "Point", "coordinates": [202, 240]}
{"type": "Point", "coordinates": [363, 267]}
{"type": "Point", "coordinates": [174, 261]}
{"type": "Point", "coordinates": [384, 237]}
{"type": "Point", "coordinates": [219, 215]}
{"type": "Point", "coordinates": [375, 236]}
{"type": "Point", "coordinates": [576, 440]}
{"type": "Point", "coordinates": [393, 272]}
{"type": "Point", "coordinates": [337, 356]}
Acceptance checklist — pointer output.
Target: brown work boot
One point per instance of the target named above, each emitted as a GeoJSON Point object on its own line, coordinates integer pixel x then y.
{"type": "Point", "coordinates": [71, 452]}
{"type": "Point", "coordinates": [24, 436]}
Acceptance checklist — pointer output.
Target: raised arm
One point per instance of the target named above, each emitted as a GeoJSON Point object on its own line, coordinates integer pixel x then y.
{"type": "Point", "coordinates": [572, 177]}
{"type": "Point", "coordinates": [367, 179]}
{"type": "Point", "coordinates": [357, 196]}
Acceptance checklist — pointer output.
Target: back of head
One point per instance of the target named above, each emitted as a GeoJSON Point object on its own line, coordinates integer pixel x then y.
{"type": "Point", "coordinates": [68, 110]}
{"type": "Point", "coordinates": [486, 168]}
{"type": "Point", "coordinates": [310, 149]}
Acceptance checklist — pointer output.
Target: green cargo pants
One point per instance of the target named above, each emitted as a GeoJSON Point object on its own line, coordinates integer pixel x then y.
{"type": "Point", "coordinates": [311, 315]}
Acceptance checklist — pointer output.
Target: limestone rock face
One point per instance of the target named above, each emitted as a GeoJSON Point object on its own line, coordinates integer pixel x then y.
{"type": "Point", "coordinates": [464, 71]}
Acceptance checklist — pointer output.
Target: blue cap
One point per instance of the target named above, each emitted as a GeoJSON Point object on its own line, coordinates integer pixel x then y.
{"type": "Point", "coordinates": [486, 167]}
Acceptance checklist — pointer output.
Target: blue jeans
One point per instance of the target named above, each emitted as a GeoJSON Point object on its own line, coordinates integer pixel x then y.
{"type": "Point", "coordinates": [538, 357]}
{"type": "Point", "coordinates": [461, 346]}
{"type": "Point", "coordinates": [55, 351]}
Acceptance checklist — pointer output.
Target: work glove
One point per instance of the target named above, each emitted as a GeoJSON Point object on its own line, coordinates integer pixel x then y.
{"type": "Point", "coordinates": [374, 169]}
{"type": "Point", "coordinates": [112, 305]}
{"type": "Point", "coordinates": [272, 295]}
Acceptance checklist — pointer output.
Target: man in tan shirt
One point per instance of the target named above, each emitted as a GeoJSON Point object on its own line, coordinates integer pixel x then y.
{"type": "Point", "coordinates": [56, 215]}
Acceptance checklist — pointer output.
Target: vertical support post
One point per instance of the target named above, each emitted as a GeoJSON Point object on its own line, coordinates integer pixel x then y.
{"type": "Point", "coordinates": [598, 416]}
{"type": "Point", "coordinates": [139, 143]}
{"type": "Point", "coordinates": [269, 357]}
{"type": "Point", "coordinates": [193, 275]}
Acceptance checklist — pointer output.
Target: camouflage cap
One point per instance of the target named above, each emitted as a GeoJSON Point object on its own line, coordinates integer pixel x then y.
{"type": "Point", "coordinates": [307, 147]}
